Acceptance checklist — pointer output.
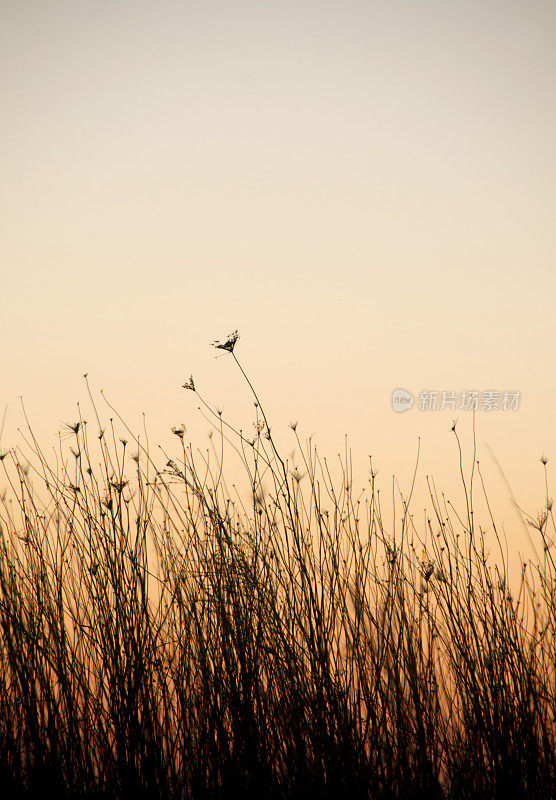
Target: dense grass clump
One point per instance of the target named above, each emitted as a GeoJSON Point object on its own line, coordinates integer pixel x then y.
{"type": "Point", "coordinates": [160, 638]}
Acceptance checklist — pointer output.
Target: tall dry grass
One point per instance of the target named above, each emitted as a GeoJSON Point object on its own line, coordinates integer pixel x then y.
{"type": "Point", "coordinates": [160, 638]}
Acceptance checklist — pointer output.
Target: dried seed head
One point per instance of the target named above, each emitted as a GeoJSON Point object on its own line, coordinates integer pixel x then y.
{"type": "Point", "coordinates": [229, 344]}
{"type": "Point", "coordinates": [179, 430]}
{"type": "Point", "coordinates": [540, 521]}
{"type": "Point", "coordinates": [297, 475]}
{"type": "Point", "coordinates": [189, 384]}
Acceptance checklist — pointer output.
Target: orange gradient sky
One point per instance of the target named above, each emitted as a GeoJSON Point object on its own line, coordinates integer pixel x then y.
{"type": "Point", "coordinates": [366, 190]}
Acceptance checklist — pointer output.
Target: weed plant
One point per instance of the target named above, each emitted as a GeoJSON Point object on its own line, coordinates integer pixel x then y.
{"type": "Point", "coordinates": [160, 638]}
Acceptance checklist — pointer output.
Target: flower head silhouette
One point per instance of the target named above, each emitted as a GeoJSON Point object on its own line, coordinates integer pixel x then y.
{"type": "Point", "coordinates": [229, 344]}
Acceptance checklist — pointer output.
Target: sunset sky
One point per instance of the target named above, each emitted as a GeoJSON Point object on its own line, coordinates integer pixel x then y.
{"type": "Point", "coordinates": [366, 190]}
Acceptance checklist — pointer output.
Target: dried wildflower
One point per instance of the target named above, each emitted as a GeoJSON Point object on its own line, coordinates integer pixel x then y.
{"type": "Point", "coordinates": [74, 427]}
{"type": "Point", "coordinates": [293, 426]}
{"type": "Point", "coordinates": [189, 384]}
{"type": "Point", "coordinates": [544, 460]}
{"type": "Point", "coordinates": [439, 575]}
{"type": "Point", "coordinates": [179, 430]}
{"type": "Point", "coordinates": [229, 344]}
{"type": "Point", "coordinates": [124, 442]}
{"type": "Point", "coordinates": [540, 521]}
{"type": "Point", "coordinates": [173, 469]}
{"type": "Point", "coordinates": [297, 475]}
{"type": "Point", "coordinates": [135, 457]}
{"type": "Point", "coordinates": [428, 570]}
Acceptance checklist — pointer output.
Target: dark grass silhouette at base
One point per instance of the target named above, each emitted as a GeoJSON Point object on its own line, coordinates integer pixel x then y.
{"type": "Point", "coordinates": [162, 640]}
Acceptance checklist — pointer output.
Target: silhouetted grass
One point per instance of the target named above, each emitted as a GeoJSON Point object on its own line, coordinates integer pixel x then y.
{"type": "Point", "coordinates": [162, 639]}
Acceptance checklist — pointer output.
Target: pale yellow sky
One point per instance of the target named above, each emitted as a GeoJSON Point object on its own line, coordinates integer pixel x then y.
{"type": "Point", "coordinates": [364, 189]}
